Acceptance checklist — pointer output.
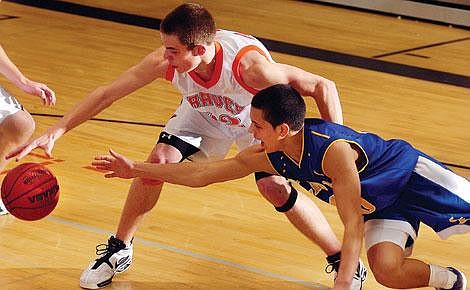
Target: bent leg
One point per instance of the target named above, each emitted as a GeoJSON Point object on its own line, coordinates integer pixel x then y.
{"type": "Point", "coordinates": [391, 269]}
{"type": "Point", "coordinates": [389, 243]}
{"type": "Point", "coordinates": [116, 256]}
{"type": "Point", "coordinates": [14, 131]}
{"type": "Point", "coordinates": [144, 193]}
{"type": "Point", "coordinates": [304, 213]}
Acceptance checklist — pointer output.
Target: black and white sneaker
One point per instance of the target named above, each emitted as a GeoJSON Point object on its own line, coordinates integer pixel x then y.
{"type": "Point", "coordinates": [359, 277]}
{"type": "Point", "coordinates": [114, 257]}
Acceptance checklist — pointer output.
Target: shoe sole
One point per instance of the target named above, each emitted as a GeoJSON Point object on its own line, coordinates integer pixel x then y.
{"type": "Point", "coordinates": [97, 286]}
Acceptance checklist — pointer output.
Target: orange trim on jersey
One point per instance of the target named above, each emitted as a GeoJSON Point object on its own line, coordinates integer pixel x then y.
{"type": "Point", "coordinates": [236, 65]}
{"type": "Point", "coordinates": [170, 73]}
{"type": "Point", "coordinates": [219, 58]}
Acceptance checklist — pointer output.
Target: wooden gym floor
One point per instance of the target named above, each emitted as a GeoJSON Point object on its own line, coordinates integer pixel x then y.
{"type": "Point", "coordinates": [397, 77]}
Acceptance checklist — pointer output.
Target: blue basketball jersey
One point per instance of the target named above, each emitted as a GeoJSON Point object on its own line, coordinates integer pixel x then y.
{"type": "Point", "coordinates": [398, 182]}
{"type": "Point", "coordinates": [384, 166]}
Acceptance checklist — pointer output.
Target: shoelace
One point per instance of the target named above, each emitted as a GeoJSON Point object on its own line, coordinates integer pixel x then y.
{"type": "Point", "coordinates": [332, 267]}
{"type": "Point", "coordinates": [102, 249]}
{"type": "Point", "coordinates": [112, 246]}
{"type": "Point", "coordinates": [358, 275]}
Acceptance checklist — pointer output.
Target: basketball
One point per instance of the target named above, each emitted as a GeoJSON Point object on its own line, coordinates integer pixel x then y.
{"type": "Point", "coordinates": [30, 191]}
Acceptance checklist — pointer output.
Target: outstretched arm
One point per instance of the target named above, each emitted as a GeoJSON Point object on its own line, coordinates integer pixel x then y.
{"type": "Point", "coordinates": [259, 73]}
{"type": "Point", "coordinates": [153, 66]}
{"type": "Point", "coordinates": [339, 165]}
{"type": "Point", "coordinates": [14, 75]}
{"type": "Point", "coordinates": [193, 174]}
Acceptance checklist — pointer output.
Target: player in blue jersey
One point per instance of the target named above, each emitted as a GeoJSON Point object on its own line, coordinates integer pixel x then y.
{"type": "Point", "coordinates": [382, 189]}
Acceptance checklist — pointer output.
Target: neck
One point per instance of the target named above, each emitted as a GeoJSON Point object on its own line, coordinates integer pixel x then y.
{"type": "Point", "coordinates": [206, 67]}
{"type": "Point", "coordinates": [293, 145]}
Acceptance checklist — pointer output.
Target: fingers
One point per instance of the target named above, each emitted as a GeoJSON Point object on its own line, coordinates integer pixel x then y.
{"type": "Point", "coordinates": [103, 157]}
{"type": "Point", "coordinates": [103, 162]}
{"type": "Point", "coordinates": [49, 95]}
{"type": "Point", "coordinates": [115, 154]}
{"type": "Point", "coordinates": [20, 152]}
{"type": "Point", "coordinates": [45, 93]}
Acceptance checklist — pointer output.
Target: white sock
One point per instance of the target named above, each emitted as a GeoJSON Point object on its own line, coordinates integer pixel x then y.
{"type": "Point", "coordinates": [441, 277]}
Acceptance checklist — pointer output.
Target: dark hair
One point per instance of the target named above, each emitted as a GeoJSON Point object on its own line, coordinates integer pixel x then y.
{"type": "Point", "coordinates": [191, 23]}
{"type": "Point", "coordinates": [281, 104]}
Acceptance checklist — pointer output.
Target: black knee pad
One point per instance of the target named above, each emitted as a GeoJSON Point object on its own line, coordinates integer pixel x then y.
{"type": "Point", "coordinates": [289, 202]}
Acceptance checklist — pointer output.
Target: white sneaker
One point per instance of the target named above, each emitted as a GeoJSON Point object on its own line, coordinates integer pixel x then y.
{"type": "Point", "coordinates": [114, 257]}
{"type": "Point", "coordinates": [358, 278]}
{"type": "Point", "coordinates": [461, 283]}
{"type": "Point", "coordinates": [3, 209]}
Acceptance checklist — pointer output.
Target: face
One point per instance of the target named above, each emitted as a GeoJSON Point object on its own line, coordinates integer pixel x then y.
{"type": "Point", "coordinates": [178, 55]}
{"type": "Point", "coordinates": [263, 131]}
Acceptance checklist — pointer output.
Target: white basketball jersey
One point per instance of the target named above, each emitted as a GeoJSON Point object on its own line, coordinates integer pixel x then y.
{"type": "Point", "coordinates": [224, 99]}
{"type": "Point", "coordinates": [8, 104]}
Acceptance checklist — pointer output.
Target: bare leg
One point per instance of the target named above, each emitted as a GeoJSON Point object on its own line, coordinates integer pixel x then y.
{"type": "Point", "coordinates": [393, 270]}
{"type": "Point", "coordinates": [144, 194]}
{"type": "Point", "coordinates": [304, 215]}
{"type": "Point", "coordinates": [14, 131]}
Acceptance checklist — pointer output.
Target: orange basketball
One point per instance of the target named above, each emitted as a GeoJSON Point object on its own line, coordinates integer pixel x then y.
{"type": "Point", "coordinates": [30, 191]}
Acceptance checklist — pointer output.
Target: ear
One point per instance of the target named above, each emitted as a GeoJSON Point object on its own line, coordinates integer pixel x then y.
{"type": "Point", "coordinates": [199, 50]}
{"type": "Point", "coordinates": [283, 130]}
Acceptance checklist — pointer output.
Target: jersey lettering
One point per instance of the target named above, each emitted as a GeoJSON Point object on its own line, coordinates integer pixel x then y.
{"type": "Point", "coordinates": [206, 100]}
{"type": "Point", "coordinates": [366, 207]}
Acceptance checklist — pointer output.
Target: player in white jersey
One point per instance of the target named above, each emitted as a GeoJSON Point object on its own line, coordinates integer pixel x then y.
{"type": "Point", "coordinates": [16, 124]}
{"type": "Point", "coordinates": [217, 73]}
{"type": "Point", "coordinates": [214, 113]}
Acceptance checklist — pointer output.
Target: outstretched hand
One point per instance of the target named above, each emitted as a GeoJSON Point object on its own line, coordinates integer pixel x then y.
{"type": "Point", "coordinates": [45, 141]}
{"type": "Point", "coordinates": [120, 165]}
{"type": "Point", "coordinates": [41, 90]}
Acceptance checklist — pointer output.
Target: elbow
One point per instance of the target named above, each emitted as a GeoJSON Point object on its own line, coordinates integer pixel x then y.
{"type": "Point", "coordinates": [326, 88]}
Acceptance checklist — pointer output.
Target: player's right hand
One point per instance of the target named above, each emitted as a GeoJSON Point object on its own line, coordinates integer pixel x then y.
{"type": "Point", "coordinates": [45, 141]}
{"type": "Point", "coordinates": [119, 165]}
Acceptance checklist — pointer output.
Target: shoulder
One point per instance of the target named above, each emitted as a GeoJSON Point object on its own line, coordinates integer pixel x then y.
{"type": "Point", "coordinates": [255, 158]}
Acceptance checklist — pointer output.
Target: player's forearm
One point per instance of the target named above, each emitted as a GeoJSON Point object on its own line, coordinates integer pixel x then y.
{"type": "Point", "coordinates": [81, 112]}
{"type": "Point", "coordinates": [9, 69]}
{"type": "Point", "coordinates": [350, 250]}
{"type": "Point", "coordinates": [191, 174]}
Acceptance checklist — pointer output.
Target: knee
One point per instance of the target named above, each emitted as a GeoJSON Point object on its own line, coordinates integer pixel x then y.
{"type": "Point", "coordinates": [275, 189]}
{"type": "Point", "coordinates": [160, 155]}
{"type": "Point", "coordinates": [163, 153]}
{"type": "Point", "coordinates": [19, 127]}
{"type": "Point", "coordinates": [386, 268]}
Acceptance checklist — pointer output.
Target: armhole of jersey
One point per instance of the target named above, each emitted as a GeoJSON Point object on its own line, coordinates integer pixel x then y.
{"type": "Point", "coordinates": [236, 64]}
{"type": "Point", "coordinates": [359, 170]}
{"type": "Point", "coordinates": [170, 73]}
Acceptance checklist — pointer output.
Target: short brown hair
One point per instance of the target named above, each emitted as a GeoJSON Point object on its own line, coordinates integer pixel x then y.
{"type": "Point", "coordinates": [191, 23]}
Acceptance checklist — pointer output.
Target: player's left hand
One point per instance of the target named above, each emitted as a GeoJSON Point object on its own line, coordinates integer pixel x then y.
{"type": "Point", "coordinates": [41, 90]}
{"type": "Point", "coordinates": [119, 165]}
